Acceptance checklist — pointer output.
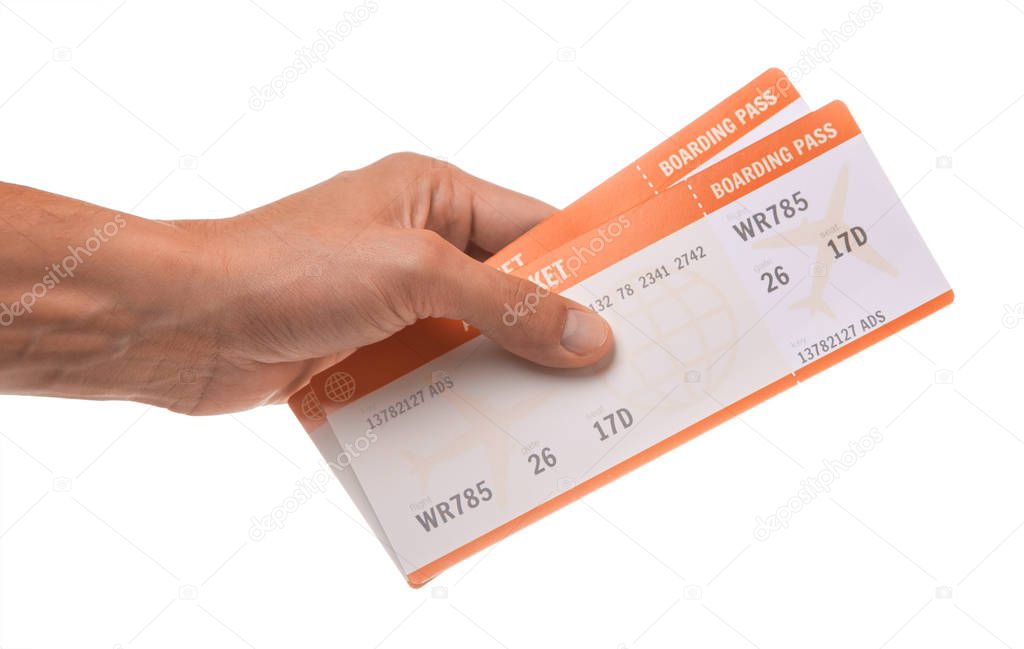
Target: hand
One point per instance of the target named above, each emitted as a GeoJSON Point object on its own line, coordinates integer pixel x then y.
{"type": "Point", "coordinates": [224, 315]}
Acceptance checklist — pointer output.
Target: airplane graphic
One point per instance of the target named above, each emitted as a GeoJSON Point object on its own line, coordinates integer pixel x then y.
{"type": "Point", "coordinates": [817, 233]}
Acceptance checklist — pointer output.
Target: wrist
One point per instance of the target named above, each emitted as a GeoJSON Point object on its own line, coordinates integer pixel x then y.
{"type": "Point", "coordinates": [177, 301]}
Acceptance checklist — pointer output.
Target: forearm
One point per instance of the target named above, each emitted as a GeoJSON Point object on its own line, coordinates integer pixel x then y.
{"type": "Point", "coordinates": [92, 301]}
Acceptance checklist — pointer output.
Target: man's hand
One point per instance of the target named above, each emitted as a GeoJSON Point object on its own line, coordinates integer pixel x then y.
{"type": "Point", "coordinates": [215, 316]}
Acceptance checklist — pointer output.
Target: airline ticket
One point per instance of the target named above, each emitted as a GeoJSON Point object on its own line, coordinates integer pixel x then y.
{"type": "Point", "coordinates": [722, 290]}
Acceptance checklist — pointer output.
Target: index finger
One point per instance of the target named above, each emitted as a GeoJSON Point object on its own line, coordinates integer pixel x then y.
{"type": "Point", "coordinates": [500, 215]}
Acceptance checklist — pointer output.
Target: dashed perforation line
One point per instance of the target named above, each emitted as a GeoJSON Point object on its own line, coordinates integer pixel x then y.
{"type": "Point", "coordinates": [694, 194]}
{"type": "Point", "coordinates": [646, 179]}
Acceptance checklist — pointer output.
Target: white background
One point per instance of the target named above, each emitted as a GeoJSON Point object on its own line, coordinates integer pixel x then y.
{"type": "Point", "coordinates": [123, 525]}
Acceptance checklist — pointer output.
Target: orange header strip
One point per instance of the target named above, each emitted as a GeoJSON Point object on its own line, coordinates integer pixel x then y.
{"type": "Point", "coordinates": [377, 365]}
{"type": "Point", "coordinates": [652, 173]}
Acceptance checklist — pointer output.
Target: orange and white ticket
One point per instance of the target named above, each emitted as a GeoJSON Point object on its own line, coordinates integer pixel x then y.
{"type": "Point", "coordinates": [755, 273]}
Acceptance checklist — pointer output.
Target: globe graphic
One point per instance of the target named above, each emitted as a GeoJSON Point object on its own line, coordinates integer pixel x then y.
{"type": "Point", "coordinates": [310, 406]}
{"type": "Point", "coordinates": [339, 387]}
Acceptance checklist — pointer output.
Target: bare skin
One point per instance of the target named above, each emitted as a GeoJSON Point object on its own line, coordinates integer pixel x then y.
{"type": "Point", "coordinates": [214, 316]}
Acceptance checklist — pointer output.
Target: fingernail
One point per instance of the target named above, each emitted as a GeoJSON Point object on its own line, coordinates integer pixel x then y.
{"type": "Point", "coordinates": [584, 331]}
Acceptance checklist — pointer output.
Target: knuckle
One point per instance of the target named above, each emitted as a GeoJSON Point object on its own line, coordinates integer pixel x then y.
{"type": "Point", "coordinates": [410, 162]}
{"type": "Point", "coordinates": [529, 304]}
{"type": "Point", "coordinates": [400, 165]}
{"type": "Point", "coordinates": [401, 158]}
{"type": "Point", "coordinates": [435, 170]}
{"type": "Point", "coordinates": [519, 292]}
{"type": "Point", "coordinates": [432, 179]}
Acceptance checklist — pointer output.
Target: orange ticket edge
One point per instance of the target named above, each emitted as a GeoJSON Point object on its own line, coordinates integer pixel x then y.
{"type": "Point", "coordinates": [625, 190]}
{"type": "Point", "coordinates": [422, 575]}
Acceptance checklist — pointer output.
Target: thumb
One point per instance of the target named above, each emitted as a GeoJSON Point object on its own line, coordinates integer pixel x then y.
{"type": "Point", "coordinates": [526, 319]}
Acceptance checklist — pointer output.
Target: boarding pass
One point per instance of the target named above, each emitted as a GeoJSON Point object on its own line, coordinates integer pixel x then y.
{"type": "Point", "coordinates": [722, 290]}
